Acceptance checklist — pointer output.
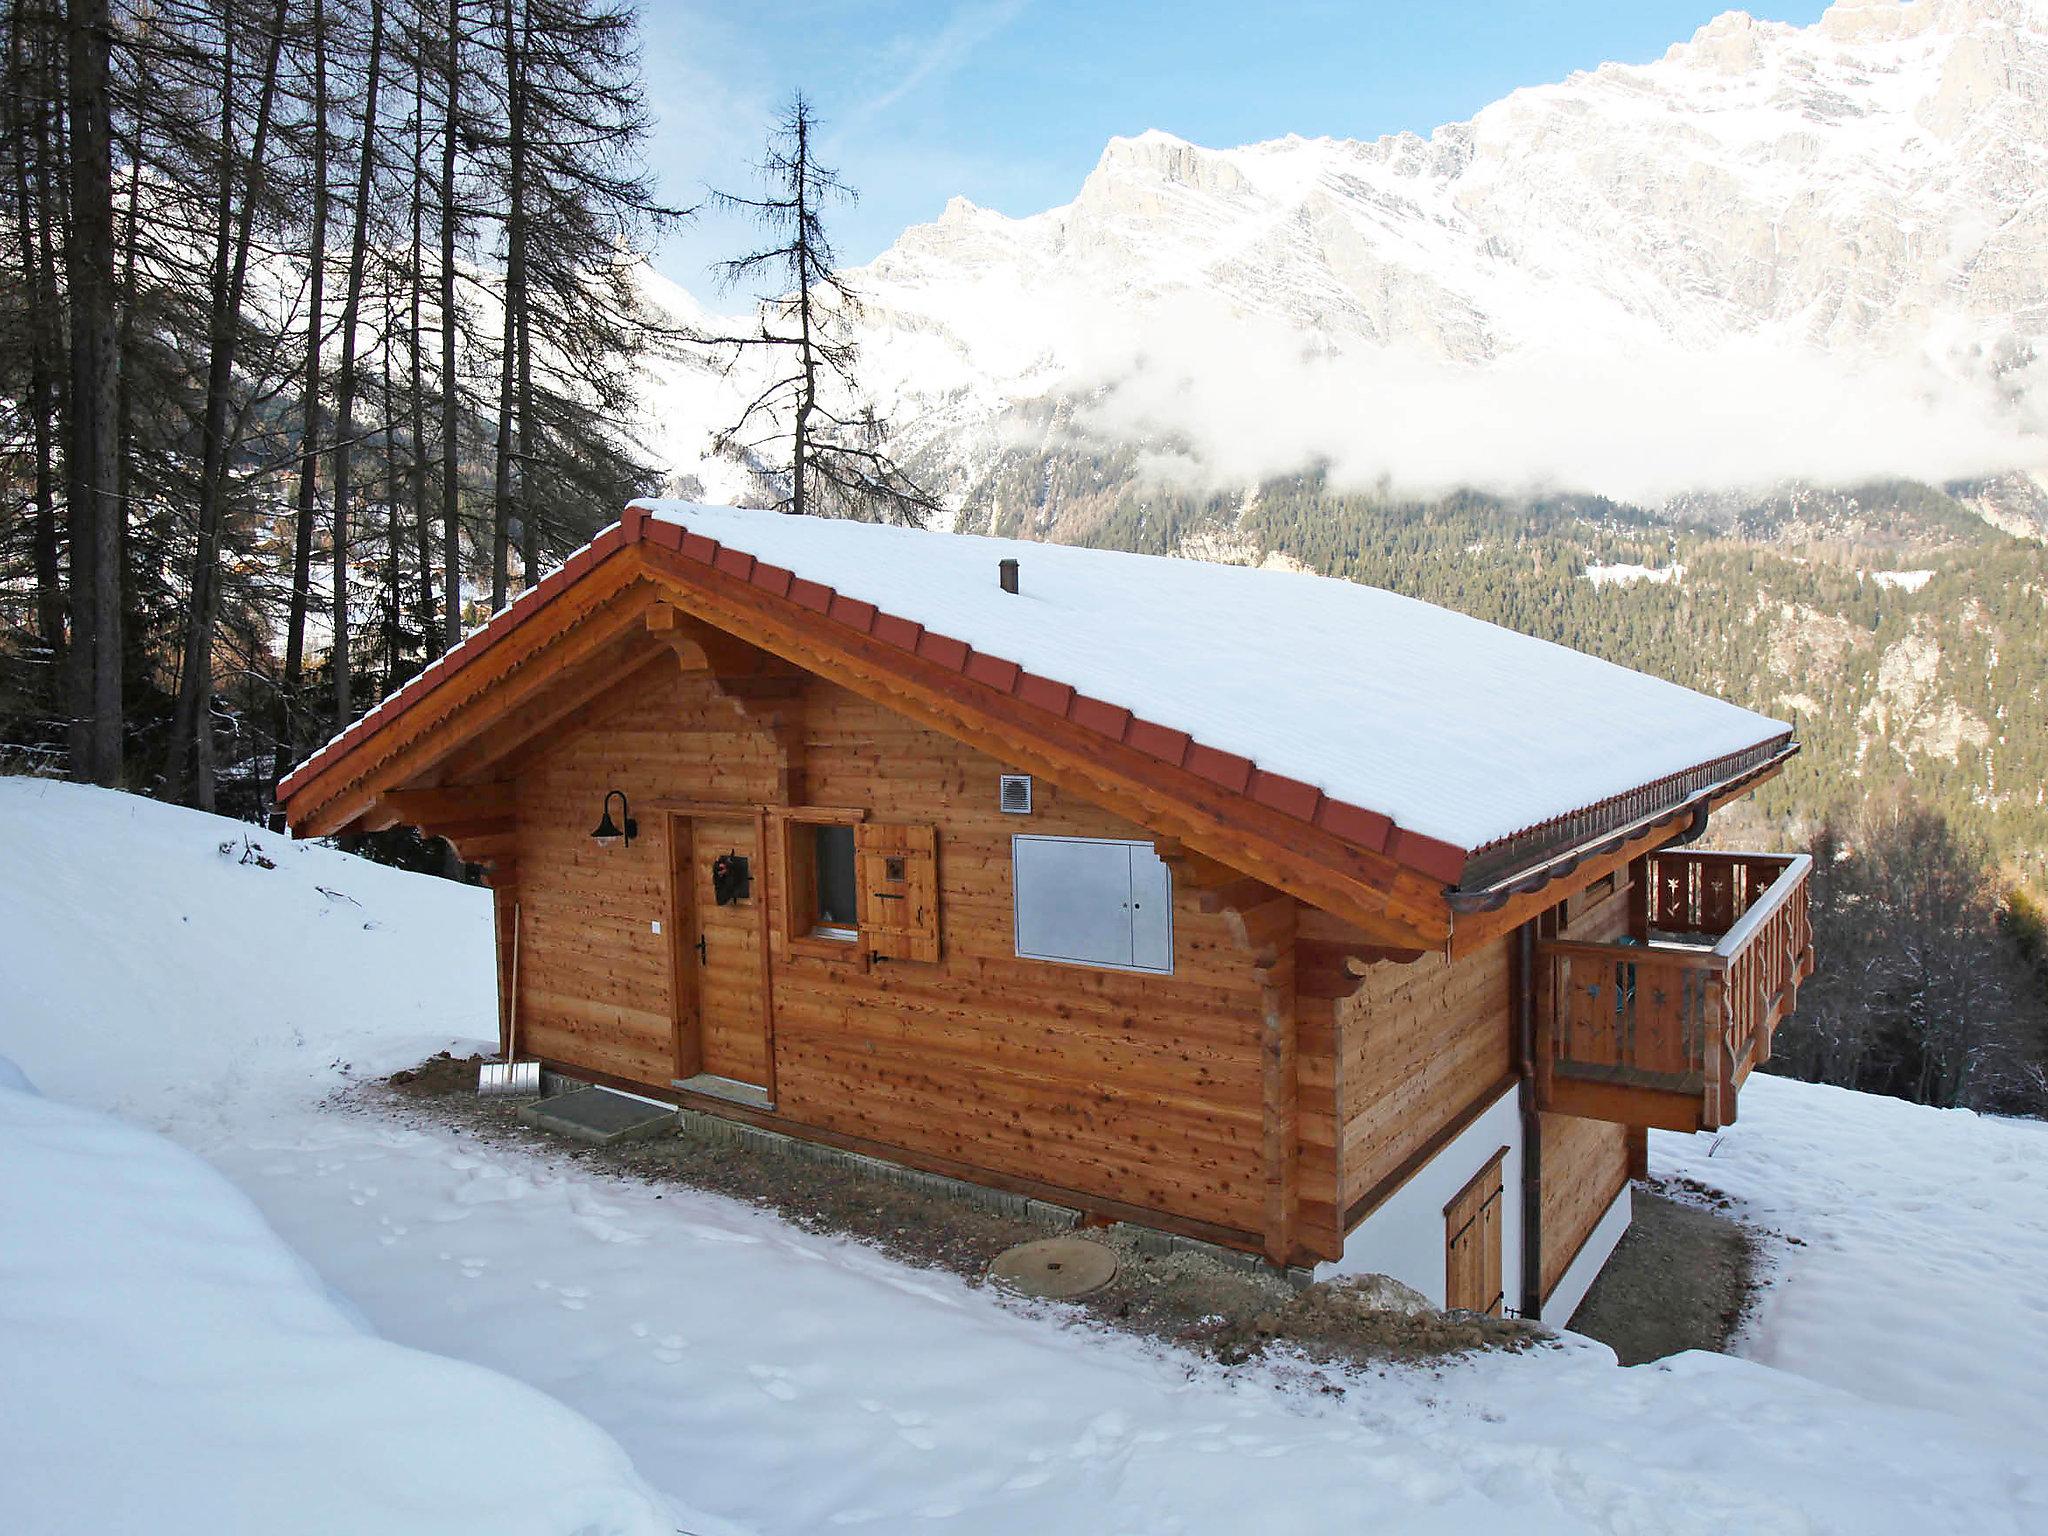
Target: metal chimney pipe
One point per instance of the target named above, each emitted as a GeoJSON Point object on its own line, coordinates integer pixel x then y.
{"type": "Point", "coordinates": [1007, 573]}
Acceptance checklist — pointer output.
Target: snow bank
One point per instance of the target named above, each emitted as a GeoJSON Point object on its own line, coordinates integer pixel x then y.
{"type": "Point", "coordinates": [1922, 1244]}
{"type": "Point", "coordinates": [172, 1367]}
{"type": "Point", "coordinates": [150, 973]}
{"type": "Point", "coordinates": [1456, 728]}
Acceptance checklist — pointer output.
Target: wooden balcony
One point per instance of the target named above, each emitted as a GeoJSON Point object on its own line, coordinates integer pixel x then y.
{"type": "Point", "coordinates": [1661, 1029]}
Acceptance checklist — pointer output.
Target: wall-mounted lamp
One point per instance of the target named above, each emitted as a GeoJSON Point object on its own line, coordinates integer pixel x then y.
{"type": "Point", "coordinates": [608, 833]}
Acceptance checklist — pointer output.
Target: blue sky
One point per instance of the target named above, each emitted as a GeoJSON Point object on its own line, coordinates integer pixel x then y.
{"type": "Point", "coordinates": [1009, 102]}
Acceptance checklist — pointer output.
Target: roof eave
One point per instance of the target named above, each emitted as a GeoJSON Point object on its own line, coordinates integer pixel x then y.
{"type": "Point", "coordinates": [1497, 888]}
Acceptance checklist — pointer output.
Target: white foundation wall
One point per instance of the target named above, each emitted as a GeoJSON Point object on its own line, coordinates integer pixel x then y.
{"type": "Point", "coordinates": [1572, 1286]}
{"type": "Point", "coordinates": [1404, 1238]}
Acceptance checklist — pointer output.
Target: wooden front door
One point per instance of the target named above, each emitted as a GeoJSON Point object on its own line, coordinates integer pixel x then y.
{"type": "Point", "coordinates": [721, 1007]}
{"type": "Point", "coordinates": [1472, 1243]}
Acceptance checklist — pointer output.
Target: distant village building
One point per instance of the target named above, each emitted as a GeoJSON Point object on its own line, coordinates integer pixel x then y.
{"type": "Point", "coordinates": [1272, 910]}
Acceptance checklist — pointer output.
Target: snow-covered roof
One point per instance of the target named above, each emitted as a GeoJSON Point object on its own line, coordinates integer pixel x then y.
{"type": "Point", "coordinates": [1452, 727]}
{"type": "Point", "coordinates": [1391, 723]}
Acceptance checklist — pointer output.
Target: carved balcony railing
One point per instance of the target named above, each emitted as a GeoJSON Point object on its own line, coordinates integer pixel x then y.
{"type": "Point", "coordinates": [1662, 1029]}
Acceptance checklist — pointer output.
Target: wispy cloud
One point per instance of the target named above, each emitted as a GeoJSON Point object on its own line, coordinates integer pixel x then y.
{"type": "Point", "coordinates": [966, 30]}
{"type": "Point", "coordinates": [1244, 399]}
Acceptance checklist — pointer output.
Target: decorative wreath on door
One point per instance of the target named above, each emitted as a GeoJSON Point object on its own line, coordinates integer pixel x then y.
{"type": "Point", "coordinates": [731, 881]}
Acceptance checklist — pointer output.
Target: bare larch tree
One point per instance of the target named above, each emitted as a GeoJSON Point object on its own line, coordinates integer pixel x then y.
{"type": "Point", "coordinates": [811, 408]}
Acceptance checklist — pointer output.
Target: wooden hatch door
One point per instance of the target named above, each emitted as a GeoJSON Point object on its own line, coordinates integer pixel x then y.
{"type": "Point", "coordinates": [1472, 1243]}
{"type": "Point", "coordinates": [721, 1014]}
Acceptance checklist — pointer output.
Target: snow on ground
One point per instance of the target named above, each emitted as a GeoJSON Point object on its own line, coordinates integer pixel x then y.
{"type": "Point", "coordinates": [1903, 581]}
{"type": "Point", "coordinates": [1921, 1275]}
{"type": "Point", "coordinates": [150, 973]}
{"type": "Point", "coordinates": [799, 1383]}
{"type": "Point", "coordinates": [173, 1367]}
{"type": "Point", "coordinates": [1618, 574]}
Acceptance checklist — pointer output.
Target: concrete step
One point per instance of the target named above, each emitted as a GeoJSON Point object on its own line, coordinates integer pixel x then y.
{"type": "Point", "coordinates": [598, 1116]}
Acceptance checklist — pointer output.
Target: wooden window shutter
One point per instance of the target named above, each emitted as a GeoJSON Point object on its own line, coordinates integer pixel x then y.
{"type": "Point", "coordinates": [899, 891]}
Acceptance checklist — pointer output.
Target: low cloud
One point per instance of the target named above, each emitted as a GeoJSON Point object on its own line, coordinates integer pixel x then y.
{"type": "Point", "coordinates": [1241, 400]}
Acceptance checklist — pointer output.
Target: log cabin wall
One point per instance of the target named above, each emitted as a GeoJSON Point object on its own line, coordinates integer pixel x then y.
{"type": "Point", "coordinates": [1420, 1047]}
{"type": "Point", "coordinates": [1134, 1088]}
{"type": "Point", "coordinates": [1140, 1088]}
{"type": "Point", "coordinates": [593, 974]}
{"type": "Point", "coordinates": [1318, 1128]}
{"type": "Point", "coordinates": [1585, 1162]}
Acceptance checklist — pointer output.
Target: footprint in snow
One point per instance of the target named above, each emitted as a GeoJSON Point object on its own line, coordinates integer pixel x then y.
{"type": "Point", "coordinates": [773, 1381]}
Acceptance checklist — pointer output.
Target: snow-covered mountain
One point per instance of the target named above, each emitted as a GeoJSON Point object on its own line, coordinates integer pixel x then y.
{"type": "Point", "coordinates": [1775, 253]}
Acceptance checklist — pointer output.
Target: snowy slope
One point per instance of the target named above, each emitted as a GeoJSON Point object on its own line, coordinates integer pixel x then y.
{"type": "Point", "coordinates": [243, 974]}
{"type": "Point", "coordinates": [796, 1383]}
{"type": "Point", "coordinates": [1924, 1244]}
{"type": "Point", "coordinates": [1454, 728]}
{"type": "Point", "coordinates": [1776, 251]}
{"type": "Point", "coordinates": [173, 1367]}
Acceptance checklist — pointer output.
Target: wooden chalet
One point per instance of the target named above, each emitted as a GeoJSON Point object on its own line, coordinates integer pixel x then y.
{"type": "Point", "coordinates": [1270, 910]}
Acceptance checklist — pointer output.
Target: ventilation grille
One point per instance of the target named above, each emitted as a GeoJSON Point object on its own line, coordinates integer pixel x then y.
{"type": "Point", "coordinates": [1015, 796]}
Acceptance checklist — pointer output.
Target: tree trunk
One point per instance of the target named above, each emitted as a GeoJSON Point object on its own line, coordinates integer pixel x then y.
{"type": "Point", "coordinates": [345, 379]}
{"type": "Point", "coordinates": [430, 632]}
{"type": "Point", "coordinates": [807, 391]}
{"type": "Point", "coordinates": [451, 396]}
{"type": "Point", "coordinates": [95, 513]}
{"type": "Point", "coordinates": [32, 211]}
{"type": "Point", "coordinates": [309, 427]}
{"type": "Point", "coordinates": [514, 298]}
{"type": "Point", "coordinates": [192, 732]}
{"type": "Point", "coordinates": [529, 517]}
{"type": "Point", "coordinates": [394, 612]}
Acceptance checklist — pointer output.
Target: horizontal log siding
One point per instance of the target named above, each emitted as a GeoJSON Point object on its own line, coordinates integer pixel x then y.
{"type": "Point", "coordinates": [1138, 1088]}
{"type": "Point", "coordinates": [1320, 1213]}
{"type": "Point", "coordinates": [1585, 1165]}
{"type": "Point", "coordinates": [1417, 1044]}
{"type": "Point", "coordinates": [1135, 1088]}
{"type": "Point", "coordinates": [593, 975]}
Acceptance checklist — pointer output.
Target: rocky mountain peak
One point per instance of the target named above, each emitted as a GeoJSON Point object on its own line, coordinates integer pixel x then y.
{"type": "Point", "coordinates": [1828, 236]}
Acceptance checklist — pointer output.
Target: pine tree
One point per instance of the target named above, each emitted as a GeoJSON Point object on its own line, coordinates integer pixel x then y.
{"type": "Point", "coordinates": [812, 407]}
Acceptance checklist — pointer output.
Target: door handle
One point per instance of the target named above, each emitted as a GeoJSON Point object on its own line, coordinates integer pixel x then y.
{"type": "Point", "coordinates": [702, 958]}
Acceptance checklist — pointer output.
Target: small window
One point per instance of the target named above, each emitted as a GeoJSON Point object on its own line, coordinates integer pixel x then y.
{"type": "Point", "coordinates": [820, 883]}
{"type": "Point", "coordinates": [837, 910]}
{"type": "Point", "coordinates": [1093, 901]}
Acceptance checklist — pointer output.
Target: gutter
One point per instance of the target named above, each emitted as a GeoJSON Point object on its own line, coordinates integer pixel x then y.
{"type": "Point", "coordinates": [1496, 893]}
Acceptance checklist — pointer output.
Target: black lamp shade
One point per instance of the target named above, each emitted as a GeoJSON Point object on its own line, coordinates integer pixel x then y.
{"type": "Point", "coordinates": [609, 832]}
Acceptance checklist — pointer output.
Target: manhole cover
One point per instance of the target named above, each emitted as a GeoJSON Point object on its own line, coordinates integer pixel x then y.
{"type": "Point", "coordinates": [1056, 1267]}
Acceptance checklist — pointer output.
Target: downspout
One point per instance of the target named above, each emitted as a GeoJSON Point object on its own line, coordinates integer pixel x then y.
{"type": "Point", "coordinates": [1532, 1122]}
